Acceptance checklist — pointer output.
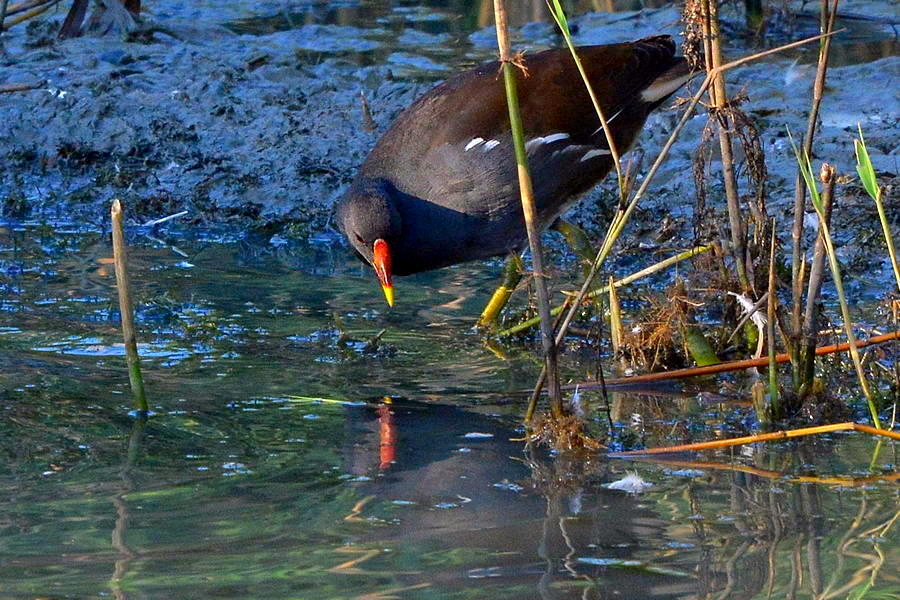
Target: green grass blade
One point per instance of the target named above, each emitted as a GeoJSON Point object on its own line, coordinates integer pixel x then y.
{"type": "Point", "coordinates": [864, 166]}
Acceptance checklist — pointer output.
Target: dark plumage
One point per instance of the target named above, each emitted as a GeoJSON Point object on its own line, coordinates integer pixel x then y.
{"type": "Point", "coordinates": [440, 186]}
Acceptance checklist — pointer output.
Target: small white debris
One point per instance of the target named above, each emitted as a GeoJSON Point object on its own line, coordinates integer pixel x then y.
{"type": "Point", "coordinates": [758, 318]}
{"type": "Point", "coordinates": [632, 483]}
{"type": "Point", "coordinates": [575, 404]}
{"type": "Point", "coordinates": [811, 221]}
{"type": "Point", "coordinates": [475, 435]}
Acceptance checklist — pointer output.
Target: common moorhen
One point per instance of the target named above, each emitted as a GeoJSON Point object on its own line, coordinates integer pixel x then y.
{"type": "Point", "coordinates": [440, 187]}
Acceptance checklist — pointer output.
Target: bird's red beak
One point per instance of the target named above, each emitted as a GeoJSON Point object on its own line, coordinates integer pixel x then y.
{"type": "Point", "coordinates": [381, 260]}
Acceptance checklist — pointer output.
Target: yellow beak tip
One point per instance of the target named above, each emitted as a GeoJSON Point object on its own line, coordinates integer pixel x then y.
{"type": "Point", "coordinates": [388, 295]}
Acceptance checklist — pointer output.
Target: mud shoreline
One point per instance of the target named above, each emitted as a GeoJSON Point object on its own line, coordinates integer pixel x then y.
{"type": "Point", "coordinates": [265, 131]}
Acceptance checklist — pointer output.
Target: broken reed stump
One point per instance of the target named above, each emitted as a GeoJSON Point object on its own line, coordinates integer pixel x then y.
{"type": "Point", "coordinates": [126, 308]}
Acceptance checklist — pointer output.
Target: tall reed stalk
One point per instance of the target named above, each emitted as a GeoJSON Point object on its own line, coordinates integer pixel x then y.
{"type": "Point", "coordinates": [126, 308]}
{"type": "Point", "coordinates": [712, 45]}
{"type": "Point", "coordinates": [826, 25]}
{"type": "Point", "coordinates": [528, 209]}
{"type": "Point", "coordinates": [818, 204]}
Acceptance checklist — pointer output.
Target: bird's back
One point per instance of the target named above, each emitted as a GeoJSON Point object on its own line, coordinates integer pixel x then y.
{"type": "Point", "coordinates": [450, 156]}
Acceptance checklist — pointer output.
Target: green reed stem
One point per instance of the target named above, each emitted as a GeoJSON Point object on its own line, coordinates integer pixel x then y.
{"type": "Point", "coordinates": [126, 308]}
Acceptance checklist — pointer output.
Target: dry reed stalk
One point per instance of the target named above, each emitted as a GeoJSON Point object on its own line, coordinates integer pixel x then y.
{"type": "Point", "coordinates": [762, 437]}
{"type": "Point", "coordinates": [826, 24]}
{"type": "Point", "coordinates": [27, 14]}
{"type": "Point", "coordinates": [810, 321]}
{"type": "Point", "coordinates": [21, 87]}
{"type": "Point", "coordinates": [719, 108]}
{"type": "Point", "coordinates": [735, 365]}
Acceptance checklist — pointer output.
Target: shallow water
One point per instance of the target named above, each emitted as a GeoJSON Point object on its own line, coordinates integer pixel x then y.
{"type": "Point", "coordinates": [290, 455]}
{"type": "Point", "coordinates": [274, 468]}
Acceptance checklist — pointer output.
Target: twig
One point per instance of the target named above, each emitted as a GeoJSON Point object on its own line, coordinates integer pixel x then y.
{"type": "Point", "coordinates": [719, 100]}
{"type": "Point", "coordinates": [735, 365]}
{"type": "Point", "coordinates": [27, 15]}
{"type": "Point", "coordinates": [762, 437]}
{"type": "Point", "coordinates": [827, 25]}
{"type": "Point", "coordinates": [654, 268]}
{"type": "Point", "coordinates": [528, 209]}
{"type": "Point", "coordinates": [126, 308]}
{"type": "Point", "coordinates": [9, 88]}
{"type": "Point", "coordinates": [155, 222]}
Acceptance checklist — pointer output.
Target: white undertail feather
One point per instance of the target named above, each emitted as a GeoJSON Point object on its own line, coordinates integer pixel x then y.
{"type": "Point", "coordinates": [663, 86]}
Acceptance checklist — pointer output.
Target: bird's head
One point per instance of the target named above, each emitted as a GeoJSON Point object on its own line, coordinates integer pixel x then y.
{"type": "Point", "coordinates": [368, 218]}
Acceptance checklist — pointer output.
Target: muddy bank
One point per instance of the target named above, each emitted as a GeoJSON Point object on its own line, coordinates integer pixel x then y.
{"type": "Point", "coordinates": [267, 130]}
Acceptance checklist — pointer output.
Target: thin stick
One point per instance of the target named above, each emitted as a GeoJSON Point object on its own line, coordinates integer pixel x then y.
{"type": "Point", "coordinates": [3, 8]}
{"type": "Point", "coordinates": [827, 25]}
{"type": "Point", "coordinates": [126, 308]}
{"type": "Point", "coordinates": [27, 15]}
{"type": "Point", "coordinates": [528, 209]}
{"type": "Point", "coordinates": [741, 468]}
{"type": "Point", "coordinates": [21, 87]}
{"type": "Point", "coordinates": [762, 437]}
{"type": "Point", "coordinates": [12, 9]}
{"type": "Point", "coordinates": [816, 274]}
{"type": "Point", "coordinates": [654, 268]}
{"type": "Point", "coordinates": [774, 403]}
{"type": "Point", "coordinates": [735, 365]}
{"type": "Point", "coordinates": [560, 17]}
{"type": "Point", "coordinates": [719, 100]}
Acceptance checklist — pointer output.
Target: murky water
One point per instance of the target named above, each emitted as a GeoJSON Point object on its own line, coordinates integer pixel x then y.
{"type": "Point", "coordinates": [274, 469]}
{"type": "Point", "coordinates": [295, 453]}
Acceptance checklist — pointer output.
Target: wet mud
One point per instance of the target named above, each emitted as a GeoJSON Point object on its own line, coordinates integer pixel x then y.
{"type": "Point", "coordinates": [202, 111]}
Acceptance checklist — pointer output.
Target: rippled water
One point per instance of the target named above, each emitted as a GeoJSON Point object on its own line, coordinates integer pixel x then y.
{"type": "Point", "coordinates": [274, 467]}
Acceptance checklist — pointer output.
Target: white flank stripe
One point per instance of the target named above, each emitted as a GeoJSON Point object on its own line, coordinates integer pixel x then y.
{"type": "Point", "coordinates": [490, 144]}
{"type": "Point", "coordinates": [473, 143]}
{"type": "Point", "coordinates": [547, 139]}
{"type": "Point", "coordinates": [662, 88]}
{"type": "Point", "coordinates": [591, 154]}
{"type": "Point", "coordinates": [555, 137]}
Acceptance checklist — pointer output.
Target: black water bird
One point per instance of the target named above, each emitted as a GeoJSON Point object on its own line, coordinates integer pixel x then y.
{"type": "Point", "coordinates": [441, 187]}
